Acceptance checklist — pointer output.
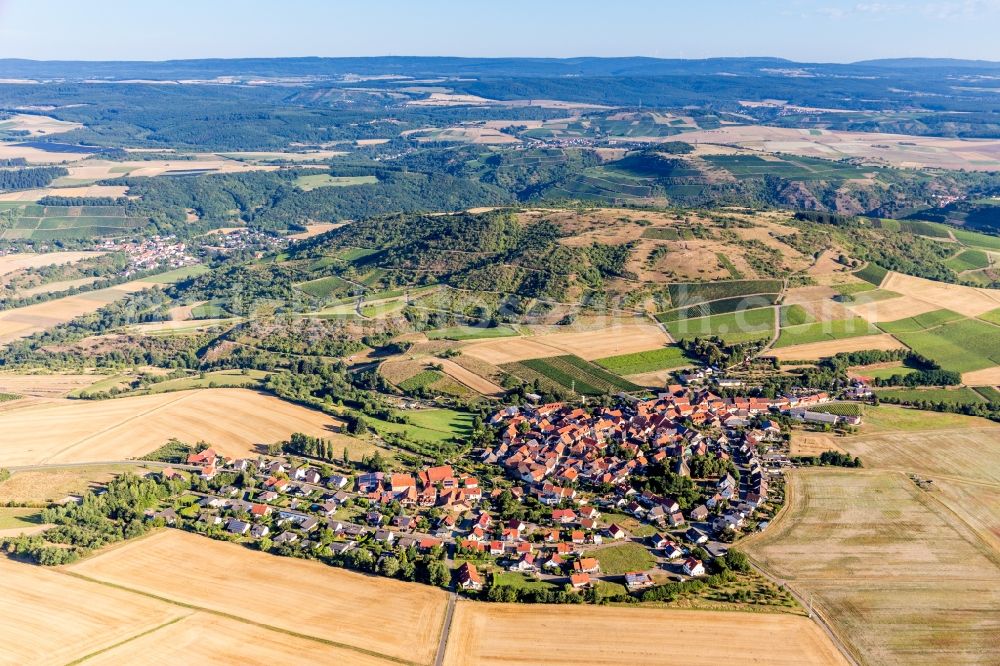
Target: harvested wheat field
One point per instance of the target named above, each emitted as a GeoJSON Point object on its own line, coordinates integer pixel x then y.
{"type": "Point", "coordinates": [316, 230]}
{"type": "Point", "coordinates": [805, 443]}
{"type": "Point", "coordinates": [22, 322]}
{"type": "Point", "coordinates": [469, 378]}
{"type": "Point", "coordinates": [610, 341]}
{"type": "Point", "coordinates": [526, 634]}
{"type": "Point", "coordinates": [235, 421]}
{"type": "Point", "coordinates": [969, 301]}
{"type": "Point", "coordinates": [38, 125]}
{"type": "Point", "coordinates": [891, 309]}
{"type": "Point", "coordinates": [896, 149]}
{"type": "Point", "coordinates": [203, 638]}
{"type": "Point", "coordinates": [10, 263]}
{"type": "Point", "coordinates": [94, 170]}
{"type": "Point", "coordinates": [53, 484]}
{"type": "Point", "coordinates": [970, 452]}
{"type": "Point", "coordinates": [901, 579]}
{"type": "Point", "coordinates": [44, 385]}
{"type": "Point", "coordinates": [986, 377]}
{"type": "Point", "coordinates": [52, 618]}
{"type": "Point", "coordinates": [83, 191]}
{"type": "Point", "coordinates": [817, 301]}
{"type": "Point", "coordinates": [818, 350]}
{"type": "Point", "coordinates": [370, 614]}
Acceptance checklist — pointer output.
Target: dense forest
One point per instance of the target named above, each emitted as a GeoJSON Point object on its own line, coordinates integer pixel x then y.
{"type": "Point", "coordinates": [28, 178]}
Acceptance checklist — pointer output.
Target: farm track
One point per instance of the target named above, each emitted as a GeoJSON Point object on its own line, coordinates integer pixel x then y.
{"type": "Point", "coordinates": [449, 615]}
{"type": "Point", "coordinates": [237, 618]}
{"type": "Point", "coordinates": [820, 619]}
{"type": "Point", "coordinates": [116, 426]}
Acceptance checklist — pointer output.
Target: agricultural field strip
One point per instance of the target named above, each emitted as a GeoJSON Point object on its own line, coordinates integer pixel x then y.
{"type": "Point", "coordinates": [854, 509]}
{"type": "Point", "coordinates": [770, 296]}
{"type": "Point", "coordinates": [321, 603]}
{"type": "Point", "coordinates": [115, 426]}
{"type": "Point", "coordinates": [237, 421]}
{"type": "Point", "coordinates": [496, 634]}
{"type": "Point", "coordinates": [278, 632]}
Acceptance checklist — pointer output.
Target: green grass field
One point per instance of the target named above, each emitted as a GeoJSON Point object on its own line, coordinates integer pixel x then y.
{"type": "Point", "coordinates": [791, 168]}
{"type": "Point", "coordinates": [992, 316]}
{"type": "Point", "coordinates": [179, 274]}
{"type": "Point", "coordinates": [872, 296]}
{"type": "Point", "coordinates": [17, 517]}
{"type": "Point", "coordinates": [660, 233]}
{"type": "Point", "coordinates": [853, 288]}
{"type": "Point", "coordinates": [324, 287]}
{"type": "Point", "coordinates": [429, 425]}
{"type": "Point", "coordinates": [421, 380]}
{"type": "Point", "coordinates": [872, 273]}
{"type": "Point", "coordinates": [647, 361]}
{"type": "Point", "coordinates": [220, 379]}
{"type": "Point", "coordinates": [521, 581]}
{"type": "Point", "coordinates": [920, 322]}
{"type": "Point", "coordinates": [825, 330]}
{"type": "Point", "coordinates": [733, 327]}
{"type": "Point", "coordinates": [976, 239]}
{"type": "Point", "coordinates": [315, 180]}
{"type": "Point", "coordinates": [210, 310]}
{"type": "Point", "coordinates": [989, 393]}
{"type": "Point", "coordinates": [795, 315]}
{"type": "Point", "coordinates": [923, 228]}
{"type": "Point", "coordinates": [968, 260]}
{"type": "Point", "coordinates": [841, 408]}
{"type": "Point", "coordinates": [471, 333]}
{"type": "Point", "coordinates": [884, 373]}
{"type": "Point", "coordinates": [959, 396]}
{"type": "Point", "coordinates": [894, 418]}
{"type": "Point", "coordinates": [69, 222]}
{"type": "Point", "coordinates": [961, 346]}
{"type": "Point", "coordinates": [574, 373]}
{"type": "Point", "coordinates": [623, 558]}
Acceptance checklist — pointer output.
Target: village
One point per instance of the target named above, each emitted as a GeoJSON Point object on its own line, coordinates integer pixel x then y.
{"type": "Point", "coordinates": [562, 489]}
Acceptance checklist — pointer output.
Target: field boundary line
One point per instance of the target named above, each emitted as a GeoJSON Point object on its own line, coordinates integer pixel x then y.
{"type": "Point", "coordinates": [237, 618]}
{"type": "Point", "coordinates": [95, 653]}
{"type": "Point", "coordinates": [116, 426]}
{"type": "Point", "coordinates": [842, 646]}
{"type": "Point", "coordinates": [449, 615]}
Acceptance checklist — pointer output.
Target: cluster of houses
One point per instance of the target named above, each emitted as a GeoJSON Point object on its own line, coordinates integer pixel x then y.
{"type": "Point", "coordinates": [155, 252]}
{"type": "Point", "coordinates": [576, 462]}
{"type": "Point", "coordinates": [555, 448]}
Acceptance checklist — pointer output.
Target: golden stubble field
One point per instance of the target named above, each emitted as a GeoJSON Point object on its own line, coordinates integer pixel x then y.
{"type": "Point", "coordinates": [968, 301]}
{"type": "Point", "coordinates": [22, 322]}
{"type": "Point", "coordinates": [238, 422]}
{"type": "Point", "coordinates": [52, 618]}
{"type": "Point", "coordinates": [895, 149]}
{"type": "Point", "coordinates": [610, 341]}
{"type": "Point", "coordinates": [563, 635]}
{"type": "Point", "coordinates": [10, 263]}
{"type": "Point", "coordinates": [817, 350]}
{"type": "Point", "coordinates": [45, 385]}
{"type": "Point", "coordinates": [903, 574]}
{"type": "Point", "coordinates": [347, 609]}
{"type": "Point", "coordinates": [203, 638]}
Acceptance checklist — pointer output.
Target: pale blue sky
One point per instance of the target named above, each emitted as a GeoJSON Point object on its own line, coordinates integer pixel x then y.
{"type": "Point", "coordinates": [805, 30]}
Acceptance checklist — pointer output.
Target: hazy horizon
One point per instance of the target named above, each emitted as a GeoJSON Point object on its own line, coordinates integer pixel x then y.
{"type": "Point", "coordinates": [832, 31]}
